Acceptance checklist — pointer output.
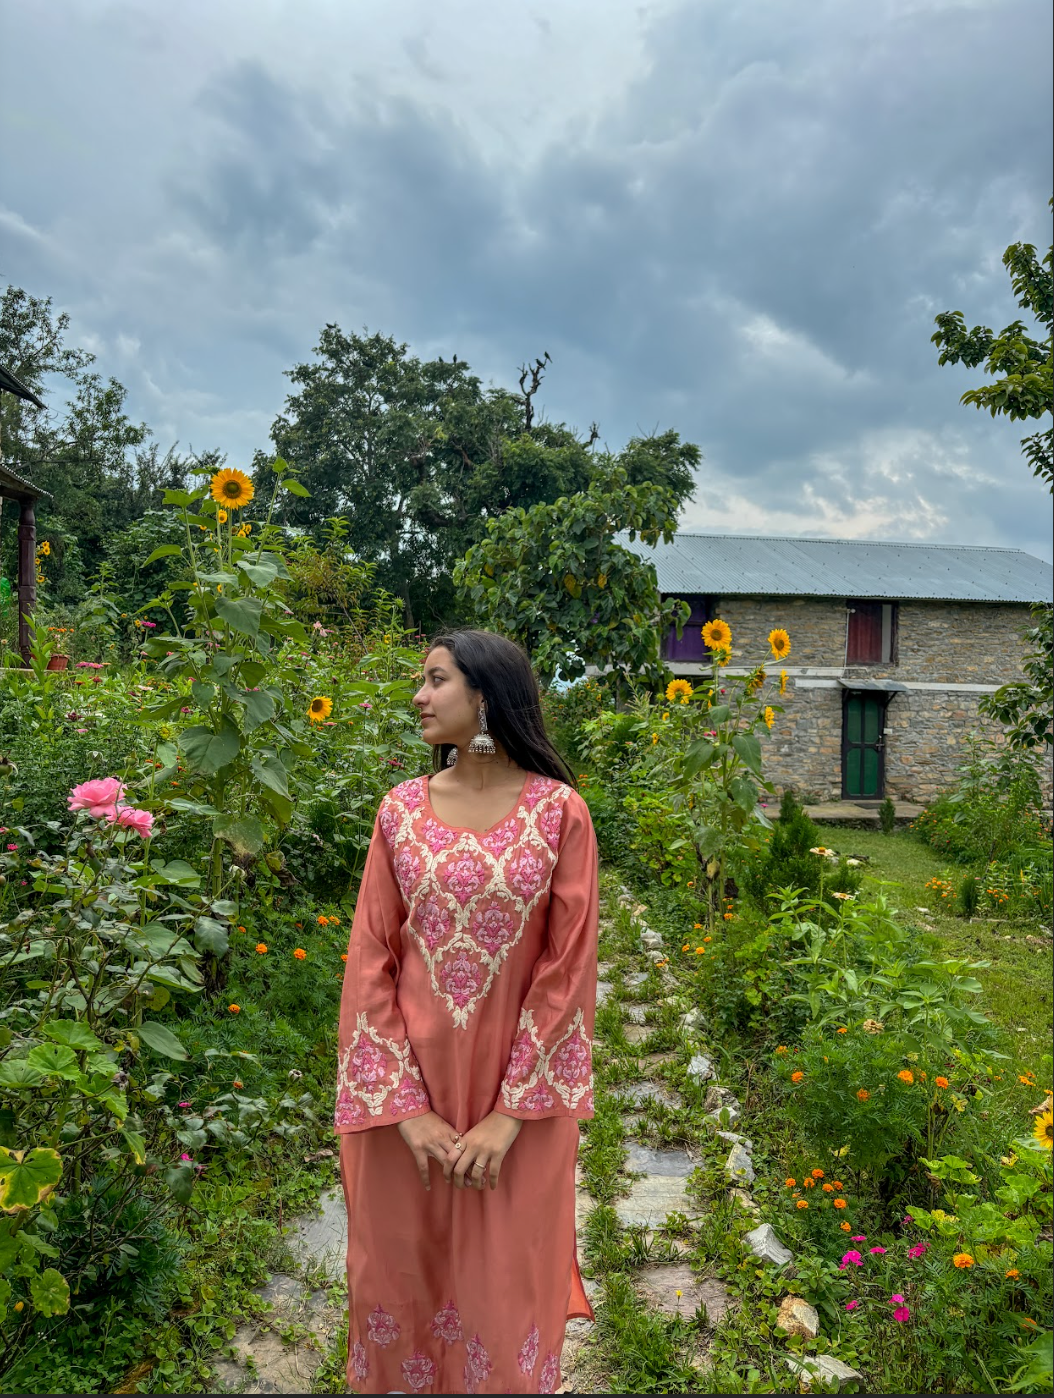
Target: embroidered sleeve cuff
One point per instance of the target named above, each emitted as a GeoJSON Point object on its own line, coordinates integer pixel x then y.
{"type": "Point", "coordinates": [541, 1081]}
{"type": "Point", "coordinates": [378, 1082]}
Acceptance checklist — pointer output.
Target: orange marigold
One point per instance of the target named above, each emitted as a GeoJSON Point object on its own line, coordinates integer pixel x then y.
{"type": "Point", "coordinates": [827, 1188]}
{"type": "Point", "coordinates": [797, 1075]}
{"type": "Point", "coordinates": [817, 1174]}
{"type": "Point", "coordinates": [906, 1075]}
{"type": "Point", "coordinates": [843, 1030]}
{"type": "Point", "coordinates": [846, 1227]}
{"type": "Point", "coordinates": [299, 953]}
{"type": "Point", "coordinates": [808, 1183]}
{"type": "Point", "coordinates": [782, 1048]}
{"type": "Point", "coordinates": [803, 1203]}
{"type": "Point", "coordinates": [790, 1183]}
{"type": "Point", "coordinates": [323, 921]}
{"type": "Point", "coordinates": [837, 1184]}
{"type": "Point", "coordinates": [941, 1082]}
{"type": "Point", "coordinates": [343, 956]}
{"type": "Point", "coordinates": [840, 1204]}
{"type": "Point", "coordinates": [261, 947]}
{"type": "Point", "coordinates": [235, 1009]}
{"type": "Point", "coordinates": [863, 1094]}
{"type": "Point", "coordinates": [1013, 1272]}
{"type": "Point", "coordinates": [963, 1259]}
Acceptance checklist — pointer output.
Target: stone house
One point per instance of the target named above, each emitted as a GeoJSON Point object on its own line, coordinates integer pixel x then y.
{"type": "Point", "coordinates": [892, 646]}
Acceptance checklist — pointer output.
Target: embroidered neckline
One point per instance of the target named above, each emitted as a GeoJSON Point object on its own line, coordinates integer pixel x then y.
{"type": "Point", "coordinates": [467, 829]}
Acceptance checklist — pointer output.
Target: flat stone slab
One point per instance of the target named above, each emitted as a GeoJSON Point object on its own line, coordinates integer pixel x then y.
{"type": "Point", "coordinates": [604, 989]}
{"type": "Point", "coordinates": [658, 1060]}
{"type": "Point", "coordinates": [834, 811]}
{"type": "Point", "coordinates": [322, 1241]}
{"type": "Point", "coordinates": [824, 1367]}
{"type": "Point", "coordinates": [636, 1014]}
{"type": "Point", "coordinates": [739, 1168]}
{"type": "Point", "coordinates": [651, 1199]}
{"type": "Point", "coordinates": [633, 980]}
{"type": "Point", "coordinates": [636, 1033]}
{"type": "Point", "coordinates": [281, 1367]}
{"type": "Point", "coordinates": [638, 1092]}
{"type": "Point", "coordinates": [642, 1160]}
{"type": "Point", "coordinates": [674, 1289]}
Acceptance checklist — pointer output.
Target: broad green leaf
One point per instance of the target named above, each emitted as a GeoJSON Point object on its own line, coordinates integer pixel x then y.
{"type": "Point", "coordinates": [50, 1292]}
{"type": "Point", "coordinates": [263, 573]}
{"type": "Point", "coordinates": [163, 551]}
{"type": "Point", "coordinates": [244, 834]}
{"type": "Point", "coordinates": [208, 750]}
{"type": "Point", "coordinates": [718, 714]}
{"type": "Point", "coordinates": [225, 907]}
{"type": "Point", "coordinates": [279, 466]}
{"type": "Point", "coordinates": [282, 806]}
{"type": "Point", "coordinates": [160, 1039]}
{"type": "Point", "coordinates": [137, 1145]}
{"type": "Point", "coordinates": [744, 793]}
{"type": "Point", "coordinates": [251, 672]}
{"type": "Point", "coordinates": [242, 614]}
{"type": "Point", "coordinates": [73, 1034]}
{"type": "Point", "coordinates": [295, 488]}
{"type": "Point", "coordinates": [180, 1180]}
{"type": "Point", "coordinates": [167, 754]}
{"type": "Point", "coordinates": [176, 871]}
{"type": "Point", "coordinates": [20, 1074]}
{"type": "Point", "coordinates": [259, 709]}
{"type": "Point", "coordinates": [210, 935]}
{"type": "Point", "coordinates": [56, 1060]}
{"type": "Point", "coordinates": [749, 750]}
{"type": "Point", "coordinates": [165, 710]}
{"type": "Point", "coordinates": [202, 694]}
{"type": "Point", "coordinates": [271, 773]}
{"type": "Point", "coordinates": [186, 806]}
{"type": "Point", "coordinates": [177, 497]}
{"type": "Point", "coordinates": [27, 1177]}
{"type": "Point", "coordinates": [697, 756]}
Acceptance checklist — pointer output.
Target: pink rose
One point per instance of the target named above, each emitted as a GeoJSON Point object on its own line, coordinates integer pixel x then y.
{"type": "Point", "coordinates": [99, 798]}
{"type": "Point", "coordinates": [130, 818]}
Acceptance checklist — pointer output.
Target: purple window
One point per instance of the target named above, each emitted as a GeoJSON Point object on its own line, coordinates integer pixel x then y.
{"type": "Point", "coordinates": [690, 646]}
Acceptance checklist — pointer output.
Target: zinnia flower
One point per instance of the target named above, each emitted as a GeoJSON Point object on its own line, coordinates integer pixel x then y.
{"type": "Point", "coordinates": [717, 635]}
{"type": "Point", "coordinates": [678, 689]}
{"type": "Point", "coordinates": [963, 1260]}
{"type": "Point", "coordinates": [299, 953]}
{"type": "Point", "coordinates": [320, 708]}
{"type": "Point", "coordinates": [780, 643]}
{"type": "Point", "coordinates": [1043, 1131]}
{"type": "Point", "coordinates": [879, 1252]}
{"type": "Point", "coordinates": [232, 488]}
{"type": "Point", "coordinates": [99, 798]}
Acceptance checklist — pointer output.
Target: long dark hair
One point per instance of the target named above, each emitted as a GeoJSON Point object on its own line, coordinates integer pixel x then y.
{"type": "Point", "coordinates": [501, 670]}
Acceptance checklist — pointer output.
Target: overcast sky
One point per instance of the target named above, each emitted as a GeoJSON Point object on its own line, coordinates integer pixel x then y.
{"type": "Point", "coordinates": [734, 219]}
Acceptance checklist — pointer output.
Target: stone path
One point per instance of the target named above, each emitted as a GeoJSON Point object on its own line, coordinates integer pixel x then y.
{"type": "Point", "coordinates": [835, 812]}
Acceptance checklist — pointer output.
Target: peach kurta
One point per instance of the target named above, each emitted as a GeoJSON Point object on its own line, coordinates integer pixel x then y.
{"type": "Point", "coordinates": [470, 987]}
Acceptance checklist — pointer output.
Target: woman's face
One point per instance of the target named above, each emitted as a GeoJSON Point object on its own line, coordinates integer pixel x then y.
{"type": "Point", "coordinates": [449, 709]}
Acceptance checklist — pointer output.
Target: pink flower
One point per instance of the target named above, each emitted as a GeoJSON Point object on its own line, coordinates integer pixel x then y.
{"type": "Point", "coordinates": [184, 1156]}
{"type": "Point", "coordinates": [851, 1258]}
{"type": "Point", "coordinates": [12, 847]}
{"type": "Point", "coordinates": [182, 1104]}
{"type": "Point", "coordinates": [851, 1305]}
{"type": "Point", "coordinates": [918, 1250]}
{"type": "Point", "coordinates": [880, 1251]}
{"type": "Point", "coordinates": [99, 798]}
{"type": "Point", "coordinates": [901, 1314]}
{"type": "Point", "coordinates": [142, 822]}
{"type": "Point", "coordinates": [859, 1238]}
{"type": "Point", "coordinates": [896, 1299]}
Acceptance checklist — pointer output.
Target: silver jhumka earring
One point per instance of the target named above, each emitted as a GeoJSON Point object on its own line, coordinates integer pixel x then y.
{"type": "Point", "coordinates": [452, 759]}
{"type": "Point", "coordinates": [482, 743]}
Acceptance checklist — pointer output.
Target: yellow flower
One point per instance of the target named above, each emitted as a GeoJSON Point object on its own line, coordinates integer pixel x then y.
{"type": "Point", "coordinates": [962, 1259]}
{"type": "Point", "coordinates": [245, 531]}
{"type": "Point", "coordinates": [769, 717]}
{"type": "Point", "coordinates": [654, 739]}
{"type": "Point", "coordinates": [678, 689]}
{"type": "Point", "coordinates": [717, 635]}
{"type": "Point", "coordinates": [45, 549]}
{"type": "Point", "coordinates": [1043, 1130]}
{"type": "Point", "coordinates": [780, 643]}
{"type": "Point", "coordinates": [783, 683]}
{"type": "Point", "coordinates": [756, 681]}
{"type": "Point", "coordinates": [320, 708]}
{"type": "Point", "coordinates": [232, 488]}
{"type": "Point", "coordinates": [221, 516]}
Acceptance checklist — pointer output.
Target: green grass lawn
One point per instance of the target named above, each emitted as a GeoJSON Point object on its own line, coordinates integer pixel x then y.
{"type": "Point", "coordinates": [1017, 983]}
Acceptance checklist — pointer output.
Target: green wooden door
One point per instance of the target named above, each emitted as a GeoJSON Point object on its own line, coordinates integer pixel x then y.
{"type": "Point", "coordinates": [862, 747]}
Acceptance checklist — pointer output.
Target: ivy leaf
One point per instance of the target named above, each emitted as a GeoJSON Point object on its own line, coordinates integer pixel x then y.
{"type": "Point", "coordinates": [73, 1034]}
{"type": "Point", "coordinates": [208, 750]}
{"type": "Point", "coordinates": [161, 1040]}
{"type": "Point", "coordinates": [27, 1177]}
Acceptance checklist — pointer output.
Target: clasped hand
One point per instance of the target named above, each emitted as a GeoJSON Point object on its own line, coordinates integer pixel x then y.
{"type": "Point", "coordinates": [483, 1149]}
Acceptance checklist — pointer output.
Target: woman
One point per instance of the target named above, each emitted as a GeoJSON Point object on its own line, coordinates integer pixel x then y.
{"type": "Point", "coordinates": [466, 1027]}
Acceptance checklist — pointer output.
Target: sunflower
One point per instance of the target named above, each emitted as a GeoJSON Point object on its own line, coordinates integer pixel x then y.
{"type": "Point", "coordinates": [678, 689]}
{"type": "Point", "coordinates": [780, 643]}
{"type": "Point", "coordinates": [756, 681]}
{"type": "Point", "coordinates": [231, 488]}
{"type": "Point", "coordinates": [221, 516]}
{"type": "Point", "coordinates": [769, 716]}
{"type": "Point", "coordinates": [320, 708]}
{"type": "Point", "coordinates": [717, 635]}
{"type": "Point", "coordinates": [1043, 1130]}
{"type": "Point", "coordinates": [783, 683]}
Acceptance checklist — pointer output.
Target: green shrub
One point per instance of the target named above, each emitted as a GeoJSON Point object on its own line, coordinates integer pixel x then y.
{"type": "Point", "coordinates": [887, 816]}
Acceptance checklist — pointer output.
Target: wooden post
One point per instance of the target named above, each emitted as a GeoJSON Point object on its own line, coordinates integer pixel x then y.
{"type": "Point", "coordinates": [27, 573]}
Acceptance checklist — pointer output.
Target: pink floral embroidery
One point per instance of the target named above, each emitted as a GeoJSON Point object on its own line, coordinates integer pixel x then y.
{"type": "Point", "coordinates": [407, 870]}
{"type": "Point", "coordinates": [573, 1060]}
{"type": "Point", "coordinates": [418, 1372]}
{"type": "Point", "coordinates": [522, 1059]}
{"type": "Point", "coordinates": [464, 878]}
{"type": "Point", "coordinates": [550, 1373]}
{"type": "Point", "coordinates": [526, 874]}
{"type": "Point", "coordinates": [550, 822]}
{"type": "Point", "coordinates": [412, 793]}
{"type": "Point", "coordinates": [493, 928]}
{"type": "Point", "coordinates": [389, 823]}
{"type": "Point", "coordinates": [437, 836]}
{"type": "Point", "coordinates": [348, 1112]}
{"type": "Point", "coordinates": [359, 1363]}
{"type": "Point", "coordinates": [479, 1364]}
{"type": "Point", "coordinates": [528, 1355]}
{"type": "Point", "coordinates": [447, 1324]}
{"type": "Point", "coordinates": [499, 839]}
{"type": "Point", "coordinates": [434, 923]}
{"type": "Point", "coordinates": [381, 1327]}
{"type": "Point", "coordinates": [367, 1064]}
{"type": "Point", "coordinates": [539, 1098]}
{"type": "Point", "coordinates": [411, 1097]}
{"type": "Point", "coordinates": [536, 789]}
{"type": "Point", "coordinates": [461, 979]}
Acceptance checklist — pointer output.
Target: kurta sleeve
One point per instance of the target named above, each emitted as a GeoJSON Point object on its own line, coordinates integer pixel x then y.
{"type": "Point", "coordinates": [378, 1077]}
{"type": "Point", "coordinates": [550, 1069]}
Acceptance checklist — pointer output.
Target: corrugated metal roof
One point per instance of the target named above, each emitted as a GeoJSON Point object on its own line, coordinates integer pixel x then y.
{"type": "Point", "coordinates": [727, 565]}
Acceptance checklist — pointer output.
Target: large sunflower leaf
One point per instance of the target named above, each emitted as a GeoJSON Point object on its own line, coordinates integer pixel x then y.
{"type": "Point", "coordinates": [207, 749]}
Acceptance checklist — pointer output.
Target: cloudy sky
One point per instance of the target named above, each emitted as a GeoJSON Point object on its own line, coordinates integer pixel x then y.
{"type": "Point", "coordinates": [734, 219]}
